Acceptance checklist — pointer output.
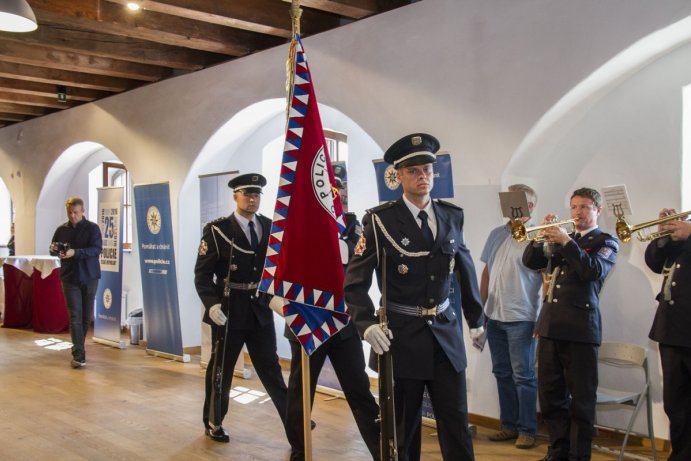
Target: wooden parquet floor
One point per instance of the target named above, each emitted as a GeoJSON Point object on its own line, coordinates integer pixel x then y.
{"type": "Point", "coordinates": [126, 405]}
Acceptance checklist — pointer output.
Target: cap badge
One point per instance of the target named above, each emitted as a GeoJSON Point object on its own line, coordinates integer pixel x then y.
{"type": "Point", "coordinates": [255, 178]}
{"type": "Point", "coordinates": [416, 140]}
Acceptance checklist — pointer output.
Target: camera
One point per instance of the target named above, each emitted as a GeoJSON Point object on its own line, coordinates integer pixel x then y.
{"type": "Point", "coordinates": [60, 247]}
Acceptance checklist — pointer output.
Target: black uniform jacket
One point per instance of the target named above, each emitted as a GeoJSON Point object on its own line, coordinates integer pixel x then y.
{"type": "Point", "coordinates": [574, 311]}
{"type": "Point", "coordinates": [415, 279]}
{"type": "Point", "coordinates": [245, 306]}
{"type": "Point", "coordinates": [672, 324]}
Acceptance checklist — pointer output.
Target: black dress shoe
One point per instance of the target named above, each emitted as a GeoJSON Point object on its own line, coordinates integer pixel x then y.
{"type": "Point", "coordinates": [550, 457]}
{"type": "Point", "coordinates": [217, 435]}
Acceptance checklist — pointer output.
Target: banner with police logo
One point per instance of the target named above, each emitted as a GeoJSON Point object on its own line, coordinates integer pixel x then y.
{"type": "Point", "coordinates": [109, 293]}
{"type": "Point", "coordinates": [157, 263]}
{"type": "Point", "coordinates": [390, 189]}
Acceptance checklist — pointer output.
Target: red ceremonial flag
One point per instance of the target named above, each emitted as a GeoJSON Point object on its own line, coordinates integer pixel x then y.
{"type": "Point", "coordinates": [303, 261]}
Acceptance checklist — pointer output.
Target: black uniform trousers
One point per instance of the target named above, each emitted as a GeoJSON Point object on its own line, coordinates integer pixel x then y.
{"type": "Point", "coordinates": [349, 364]}
{"type": "Point", "coordinates": [676, 394]}
{"type": "Point", "coordinates": [261, 345]}
{"type": "Point", "coordinates": [567, 389]}
{"type": "Point", "coordinates": [448, 394]}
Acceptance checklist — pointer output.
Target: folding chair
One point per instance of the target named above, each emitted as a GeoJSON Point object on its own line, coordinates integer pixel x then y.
{"type": "Point", "coordinates": [625, 355]}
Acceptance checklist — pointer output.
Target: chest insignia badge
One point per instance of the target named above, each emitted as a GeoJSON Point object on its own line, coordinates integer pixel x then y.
{"type": "Point", "coordinates": [405, 241]}
{"type": "Point", "coordinates": [233, 267]}
{"type": "Point", "coordinates": [402, 269]}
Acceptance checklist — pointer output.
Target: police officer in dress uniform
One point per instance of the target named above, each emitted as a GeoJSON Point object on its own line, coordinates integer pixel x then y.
{"type": "Point", "coordinates": [423, 241]}
{"type": "Point", "coordinates": [250, 320]}
{"type": "Point", "coordinates": [344, 350]}
{"type": "Point", "coordinates": [569, 326]}
{"type": "Point", "coordinates": [671, 257]}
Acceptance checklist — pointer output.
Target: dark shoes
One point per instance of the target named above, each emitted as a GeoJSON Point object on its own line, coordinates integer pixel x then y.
{"type": "Point", "coordinates": [217, 434]}
{"type": "Point", "coordinates": [77, 363]}
{"type": "Point", "coordinates": [550, 457]}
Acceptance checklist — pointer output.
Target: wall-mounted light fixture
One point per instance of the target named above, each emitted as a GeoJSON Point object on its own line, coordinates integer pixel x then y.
{"type": "Point", "coordinates": [17, 16]}
{"type": "Point", "coordinates": [62, 93]}
{"type": "Point", "coordinates": [133, 6]}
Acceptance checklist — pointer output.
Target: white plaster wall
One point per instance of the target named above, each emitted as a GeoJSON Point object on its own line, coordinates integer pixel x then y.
{"type": "Point", "coordinates": [478, 74]}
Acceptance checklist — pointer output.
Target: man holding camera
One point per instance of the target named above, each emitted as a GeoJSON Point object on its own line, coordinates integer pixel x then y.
{"type": "Point", "coordinates": [78, 245]}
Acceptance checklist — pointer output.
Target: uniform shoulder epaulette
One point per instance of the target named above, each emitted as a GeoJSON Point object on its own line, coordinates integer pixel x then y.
{"type": "Point", "coordinates": [448, 204]}
{"type": "Point", "coordinates": [215, 222]}
{"type": "Point", "coordinates": [381, 207]}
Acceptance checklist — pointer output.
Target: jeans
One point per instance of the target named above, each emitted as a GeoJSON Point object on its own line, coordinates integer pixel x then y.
{"type": "Point", "coordinates": [512, 347]}
{"type": "Point", "coordinates": [79, 298]}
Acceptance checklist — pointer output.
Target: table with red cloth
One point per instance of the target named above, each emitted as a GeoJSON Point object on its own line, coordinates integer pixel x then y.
{"type": "Point", "coordinates": [33, 294]}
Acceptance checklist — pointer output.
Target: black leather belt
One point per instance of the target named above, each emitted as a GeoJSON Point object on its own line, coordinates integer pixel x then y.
{"type": "Point", "coordinates": [243, 286]}
{"type": "Point", "coordinates": [418, 311]}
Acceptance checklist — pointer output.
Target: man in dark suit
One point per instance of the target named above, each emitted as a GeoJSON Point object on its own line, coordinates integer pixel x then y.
{"type": "Point", "coordinates": [344, 350]}
{"type": "Point", "coordinates": [671, 256]}
{"type": "Point", "coordinates": [569, 326]}
{"type": "Point", "coordinates": [423, 241]}
{"type": "Point", "coordinates": [247, 314]}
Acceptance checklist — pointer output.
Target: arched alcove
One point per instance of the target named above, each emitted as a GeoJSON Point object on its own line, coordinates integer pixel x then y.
{"type": "Point", "coordinates": [241, 144]}
{"type": "Point", "coordinates": [69, 177]}
{"type": "Point", "coordinates": [5, 216]}
{"type": "Point", "coordinates": [622, 124]}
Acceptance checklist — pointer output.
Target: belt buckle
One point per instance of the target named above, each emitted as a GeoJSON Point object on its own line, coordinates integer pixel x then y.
{"type": "Point", "coordinates": [428, 312]}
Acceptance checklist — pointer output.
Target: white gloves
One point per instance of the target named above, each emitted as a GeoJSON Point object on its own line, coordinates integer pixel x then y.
{"type": "Point", "coordinates": [276, 304]}
{"type": "Point", "coordinates": [479, 337]}
{"type": "Point", "coordinates": [217, 315]}
{"type": "Point", "coordinates": [376, 338]}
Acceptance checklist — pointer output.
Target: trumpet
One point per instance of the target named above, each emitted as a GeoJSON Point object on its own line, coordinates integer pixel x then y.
{"type": "Point", "coordinates": [521, 233]}
{"type": "Point", "coordinates": [624, 230]}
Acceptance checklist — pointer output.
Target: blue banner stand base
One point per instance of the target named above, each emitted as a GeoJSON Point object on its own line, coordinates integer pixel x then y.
{"type": "Point", "coordinates": [184, 358]}
{"type": "Point", "coordinates": [107, 342]}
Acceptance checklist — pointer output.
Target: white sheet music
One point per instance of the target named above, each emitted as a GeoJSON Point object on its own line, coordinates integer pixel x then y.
{"type": "Point", "coordinates": [617, 200]}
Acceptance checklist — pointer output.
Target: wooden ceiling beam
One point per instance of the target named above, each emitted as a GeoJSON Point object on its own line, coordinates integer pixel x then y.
{"type": "Point", "coordinates": [12, 118]}
{"type": "Point", "coordinates": [38, 101]}
{"type": "Point", "coordinates": [66, 78]}
{"type": "Point", "coordinates": [104, 17]}
{"type": "Point", "coordinates": [11, 108]}
{"type": "Point", "coordinates": [109, 46]}
{"type": "Point", "coordinates": [32, 55]}
{"type": "Point", "coordinates": [355, 9]}
{"type": "Point", "coordinates": [261, 16]}
{"type": "Point", "coordinates": [47, 90]}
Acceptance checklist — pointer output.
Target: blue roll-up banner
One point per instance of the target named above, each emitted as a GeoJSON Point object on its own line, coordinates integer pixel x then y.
{"type": "Point", "coordinates": [109, 295]}
{"type": "Point", "coordinates": [157, 262]}
{"type": "Point", "coordinates": [390, 189]}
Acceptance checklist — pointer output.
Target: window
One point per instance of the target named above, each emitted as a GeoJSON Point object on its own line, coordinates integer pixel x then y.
{"type": "Point", "coordinates": [337, 144]}
{"type": "Point", "coordinates": [116, 175]}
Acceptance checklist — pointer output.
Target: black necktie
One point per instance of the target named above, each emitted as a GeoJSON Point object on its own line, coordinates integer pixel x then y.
{"type": "Point", "coordinates": [254, 240]}
{"type": "Point", "coordinates": [426, 231]}
{"type": "Point", "coordinates": [577, 237]}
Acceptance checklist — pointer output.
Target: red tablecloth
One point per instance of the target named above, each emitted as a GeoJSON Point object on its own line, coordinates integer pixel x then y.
{"type": "Point", "coordinates": [49, 309]}
{"type": "Point", "coordinates": [34, 301]}
{"type": "Point", "coordinates": [18, 298]}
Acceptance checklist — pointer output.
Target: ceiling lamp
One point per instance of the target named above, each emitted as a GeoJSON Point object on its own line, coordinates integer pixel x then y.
{"type": "Point", "coordinates": [17, 16]}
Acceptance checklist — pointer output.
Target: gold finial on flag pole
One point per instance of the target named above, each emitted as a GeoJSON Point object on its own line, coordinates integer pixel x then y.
{"type": "Point", "coordinates": [295, 14]}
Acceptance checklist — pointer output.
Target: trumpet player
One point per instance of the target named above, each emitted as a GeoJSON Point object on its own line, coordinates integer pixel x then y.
{"type": "Point", "coordinates": [670, 256]}
{"type": "Point", "coordinates": [569, 325]}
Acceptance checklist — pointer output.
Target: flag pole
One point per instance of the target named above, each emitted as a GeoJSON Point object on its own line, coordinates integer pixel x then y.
{"type": "Point", "coordinates": [295, 13]}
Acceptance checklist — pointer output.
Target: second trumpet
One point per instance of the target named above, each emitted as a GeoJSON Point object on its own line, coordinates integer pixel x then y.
{"type": "Point", "coordinates": [521, 233]}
